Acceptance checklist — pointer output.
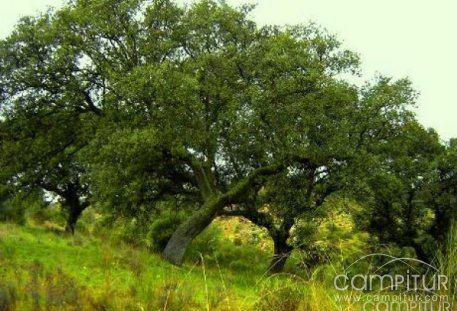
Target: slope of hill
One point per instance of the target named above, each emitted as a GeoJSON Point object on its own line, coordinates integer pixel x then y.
{"type": "Point", "coordinates": [43, 269]}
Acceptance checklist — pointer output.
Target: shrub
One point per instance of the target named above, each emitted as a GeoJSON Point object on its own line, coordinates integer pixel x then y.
{"type": "Point", "coordinates": [133, 231]}
{"type": "Point", "coordinates": [11, 212]}
{"type": "Point", "coordinates": [47, 215]}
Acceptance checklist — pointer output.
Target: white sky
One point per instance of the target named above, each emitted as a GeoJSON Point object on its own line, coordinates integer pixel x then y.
{"type": "Point", "coordinates": [398, 38]}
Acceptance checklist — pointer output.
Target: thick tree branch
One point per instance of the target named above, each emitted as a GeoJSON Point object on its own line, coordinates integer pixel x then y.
{"type": "Point", "coordinates": [243, 185]}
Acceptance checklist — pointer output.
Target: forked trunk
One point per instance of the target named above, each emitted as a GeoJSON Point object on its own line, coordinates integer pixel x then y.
{"type": "Point", "coordinates": [214, 204]}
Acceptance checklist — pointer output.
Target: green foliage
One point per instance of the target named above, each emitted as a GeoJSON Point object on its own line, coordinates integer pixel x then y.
{"type": "Point", "coordinates": [11, 212]}
{"type": "Point", "coordinates": [446, 260]}
{"type": "Point", "coordinates": [206, 243]}
{"type": "Point", "coordinates": [399, 209]}
{"type": "Point", "coordinates": [15, 206]}
{"type": "Point", "coordinates": [241, 258]}
{"type": "Point", "coordinates": [164, 117]}
{"type": "Point", "coordinates": [42, 99]}
{"type": "Point", "coordinates": [47, 214]}
{"type": "Point", "coordinates": [442, 193]}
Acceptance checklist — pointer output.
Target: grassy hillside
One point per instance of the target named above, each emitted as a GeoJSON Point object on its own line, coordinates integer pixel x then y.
{"type": "Point", "coordinates": [43, 269]}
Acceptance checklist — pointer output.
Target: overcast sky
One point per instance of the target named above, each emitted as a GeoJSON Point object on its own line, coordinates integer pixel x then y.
{"type": "Point", "coordinates": [399, 38]}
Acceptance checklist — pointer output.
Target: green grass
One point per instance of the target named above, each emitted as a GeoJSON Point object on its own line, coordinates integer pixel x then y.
{"type": "Point", "coordinates": [126, 277]}
{"type": "Point", "coordinates": [48, 270]}
{"type": "Point", "coordinates": [44, 269]}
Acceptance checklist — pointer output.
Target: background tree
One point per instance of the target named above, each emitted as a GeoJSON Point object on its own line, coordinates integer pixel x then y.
{"type": "Point", "coordinates": [399, 212]}
{"type": "Point", "coordinates": [45, 105]}
{"type": "Point", "coordinates": [442, 192]}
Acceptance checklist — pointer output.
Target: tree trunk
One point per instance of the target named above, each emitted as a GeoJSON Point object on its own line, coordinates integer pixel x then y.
{"type": "Point", "coordinates": [75, 209]}
{"type": "Point", "coordinates": [187, 231]}
{"type": "Point", "coordinates": [72, 219]}
{"type": "Point", "coordinates": [281, 253]}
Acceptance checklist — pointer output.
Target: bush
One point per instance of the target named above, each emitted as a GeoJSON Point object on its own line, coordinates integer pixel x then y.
{"type": "Point", "coordinates": [48, 214]}
{"type": "Point", "coordinates": [11, 213]}
{"type": "Point", "coordinates": [13, 208]}
{"type": "Point", "coordinates": [132, 231]}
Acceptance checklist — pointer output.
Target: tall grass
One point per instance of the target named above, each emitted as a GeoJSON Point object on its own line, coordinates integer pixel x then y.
{"type": "Point", "coordinates": [447, 262]}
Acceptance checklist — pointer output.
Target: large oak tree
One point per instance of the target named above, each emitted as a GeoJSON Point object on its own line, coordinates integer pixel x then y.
{"type": "Point", "coordinates": [215, 107]}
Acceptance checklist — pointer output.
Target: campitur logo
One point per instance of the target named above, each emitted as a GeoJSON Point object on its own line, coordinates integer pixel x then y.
{"type": "Point", "coordinates": [392, 284]}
